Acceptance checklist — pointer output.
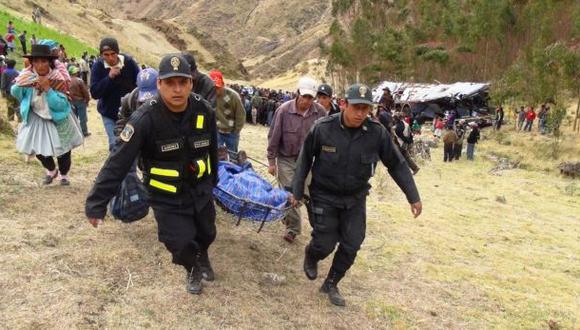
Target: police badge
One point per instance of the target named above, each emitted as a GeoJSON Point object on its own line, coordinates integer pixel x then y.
{"type": "Point", "coordinates": [175, 63]}
{"type": "Point", "coordinates": [363, 91]}
{"type": "Point", "coordinates": [127, 133]}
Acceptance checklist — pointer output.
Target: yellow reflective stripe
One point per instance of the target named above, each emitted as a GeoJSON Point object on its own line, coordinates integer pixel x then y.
{"type": "Point", "coordinates": [201, 167]}
{"type": "Point", "coordinates": [165, 172]}
{"type": "Point", "coordinates": [208, 165]}
{"type": "Point", "coordinates": [199, 124]}
{"type": "Point", "coordinates": [162, 186]}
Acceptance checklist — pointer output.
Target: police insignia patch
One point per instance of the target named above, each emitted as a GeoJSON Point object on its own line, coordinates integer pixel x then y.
{"type": "Point", "coordinates": [127, 133]}
{"type": "Point", "coordinates": [363, 91]}
{"type": "Point", "coordinates": [175, 63]}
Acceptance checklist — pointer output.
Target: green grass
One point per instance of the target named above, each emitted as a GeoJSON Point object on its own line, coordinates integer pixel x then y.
{"type": "Point", "coordinates": [73, 46]}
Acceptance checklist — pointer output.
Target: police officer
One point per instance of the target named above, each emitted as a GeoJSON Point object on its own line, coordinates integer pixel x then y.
{"type": "Point", "coordinates": [342, 151]}
{"type": "Point", "coordinates": [176, 137]}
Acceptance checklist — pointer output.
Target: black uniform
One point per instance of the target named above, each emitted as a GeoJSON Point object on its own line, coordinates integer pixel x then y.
{"type": "Point", "coordinates": [342, 161]}
{"type": "Point", "coordinates": [178, 152]}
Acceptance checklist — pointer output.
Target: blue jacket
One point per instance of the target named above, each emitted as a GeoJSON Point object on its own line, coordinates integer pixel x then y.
{"type": "Point", "coordinates": [7, 79]}
{"type": "Point", "coordinates": [109, 91]}
{"type": "Point", "coordinates": [58, 104]}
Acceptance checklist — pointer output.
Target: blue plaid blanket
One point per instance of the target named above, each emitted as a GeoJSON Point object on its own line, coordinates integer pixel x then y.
{"type": "Point", "coordinates": [244, 193]}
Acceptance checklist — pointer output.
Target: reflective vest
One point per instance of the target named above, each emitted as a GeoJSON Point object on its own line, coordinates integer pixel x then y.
{"type": "Point", "coordinates": [179, 154]}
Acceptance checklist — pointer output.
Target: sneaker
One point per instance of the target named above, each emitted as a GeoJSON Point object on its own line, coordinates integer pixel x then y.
{"type": "Point", "coordinates": [290, 237]}
{"type": "Point", "coordinates": [87, 134]}
{"type": "Point", "coordinates": [64, 182]}
{"type": "Point", "coordinates": [49, 178]}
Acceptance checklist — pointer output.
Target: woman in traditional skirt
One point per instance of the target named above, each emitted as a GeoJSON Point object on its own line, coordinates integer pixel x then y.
{"type": "Point", "coordinates": [49, 128]}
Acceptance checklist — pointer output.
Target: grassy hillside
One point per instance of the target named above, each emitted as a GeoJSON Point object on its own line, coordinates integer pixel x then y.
{"type": "Point", "coordinates": [73, 46]}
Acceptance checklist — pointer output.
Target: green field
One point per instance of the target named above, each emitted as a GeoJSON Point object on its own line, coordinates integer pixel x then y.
{"type": "Point", "coordinates": [73, 46]}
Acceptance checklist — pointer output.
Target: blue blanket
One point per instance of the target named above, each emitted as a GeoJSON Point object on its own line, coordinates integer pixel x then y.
{"type": "Point", "coordinates": [244, 193]}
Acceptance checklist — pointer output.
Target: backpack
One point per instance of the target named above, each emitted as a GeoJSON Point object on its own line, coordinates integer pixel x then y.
{"type": "Point", "coordinates": [132, 200]}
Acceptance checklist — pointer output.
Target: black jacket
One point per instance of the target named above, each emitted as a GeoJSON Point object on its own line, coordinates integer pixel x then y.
{"type": "Point", "coordinates": [342, 161]}
{"type": "Point", "coordinates": [129, 104]}
{"type": "Point", "coordinates": [163, 140]}
{"type": "Point", "coordinates": [473, 136]}
{"type": "Point", "coordinates": [204, 86]}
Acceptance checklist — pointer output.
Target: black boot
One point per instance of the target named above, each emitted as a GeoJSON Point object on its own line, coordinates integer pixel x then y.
{"type": "Point", "coordinates": [205, 266]}
{"type": "Point", "coordinates": [330, 288]}
{"type": "Point", "coordinates": [310, 265]}
{"type": "Point", "coordinates": [194, 280]}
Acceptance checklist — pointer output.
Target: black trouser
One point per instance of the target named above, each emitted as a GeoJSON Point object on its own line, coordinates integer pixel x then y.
{"type": "Point", "coordinates": [332, 225]}
{"type": "Point", "coordinates": [64, 162]}
{"type": "Point", "coordinates": [457, 150]}
{"type": "Point", "coordinates": [185, 231]}
{"type": "Point", "coordinates": [448, 152]}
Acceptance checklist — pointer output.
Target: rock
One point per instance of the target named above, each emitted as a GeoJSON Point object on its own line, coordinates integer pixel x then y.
{"type": "Point", "coordinates": [500, 199]}
{"type": "Point", "coordinates": [553, 325]}
{"type": "Point", "coordinates": [569, 169]}
{"type": "Point", "coordinates": [273, 279]}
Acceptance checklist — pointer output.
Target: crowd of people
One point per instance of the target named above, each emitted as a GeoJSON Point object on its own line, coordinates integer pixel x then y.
{"type": "Point", "coordinates": [154, 116]}
{"type": "Point", "coordinates": [450, 128]}
{"type": "Point", "coordinates": [525, 118]}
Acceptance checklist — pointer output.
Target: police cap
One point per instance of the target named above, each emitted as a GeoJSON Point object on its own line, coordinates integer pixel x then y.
{"type": "Point", "coordinates": [325, 89]}
{"type": "Point", "coordinates": [359, 94]}
{"type": "Point", "coordinates": [174, 65]}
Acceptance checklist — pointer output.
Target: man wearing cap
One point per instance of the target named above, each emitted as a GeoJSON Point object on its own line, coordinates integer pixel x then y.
{"type": "Point", "coordinates": [292, 121]}
{"type": "Point", "coordinates": [79, 94]}
{"type": "Point", "coordinates": [146, 89]}
{"type": "Point", "coordinates": [112, 76]}
{"type": "Point", "coordinates": [324, 98]}
{"type": "Point", "coordinates": [230, 113]}
{"type": "Point", "coordinates": [202, 84]}
{"type": "Point", "coordinates": [175, 136]}
{"type": "Point", "coordinates": [341, 152]}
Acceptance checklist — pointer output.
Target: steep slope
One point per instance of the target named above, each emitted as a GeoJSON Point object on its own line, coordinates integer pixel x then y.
{"type": "Point", "coordinates": [269, 37]}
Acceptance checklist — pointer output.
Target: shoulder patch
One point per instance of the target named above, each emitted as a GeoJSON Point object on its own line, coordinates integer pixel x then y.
{"type": "Point", "coordinates": [127, 133]}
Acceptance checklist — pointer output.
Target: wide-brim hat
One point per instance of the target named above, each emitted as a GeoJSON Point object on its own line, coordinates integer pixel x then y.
{"type": "Point", "coordinates": [40, 51]}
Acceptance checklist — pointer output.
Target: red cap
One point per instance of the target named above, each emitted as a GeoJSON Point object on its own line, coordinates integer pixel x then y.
{"type": "Point", "coordinates": [217, 78]}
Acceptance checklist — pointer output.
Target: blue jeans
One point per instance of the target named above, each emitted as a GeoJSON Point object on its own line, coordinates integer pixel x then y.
{"type": "Point", "coordinates": [81, 107]}
{"type": "Point", "coordinates": [110, 130]}
{"type": "Point", "coordinates": [230, 140]}
{"type": "Point", "coordinates": [470, 150]}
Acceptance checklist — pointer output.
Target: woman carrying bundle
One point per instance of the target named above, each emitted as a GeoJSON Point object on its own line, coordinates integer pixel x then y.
{"type": "Point", "coordinates": [49, 128]}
